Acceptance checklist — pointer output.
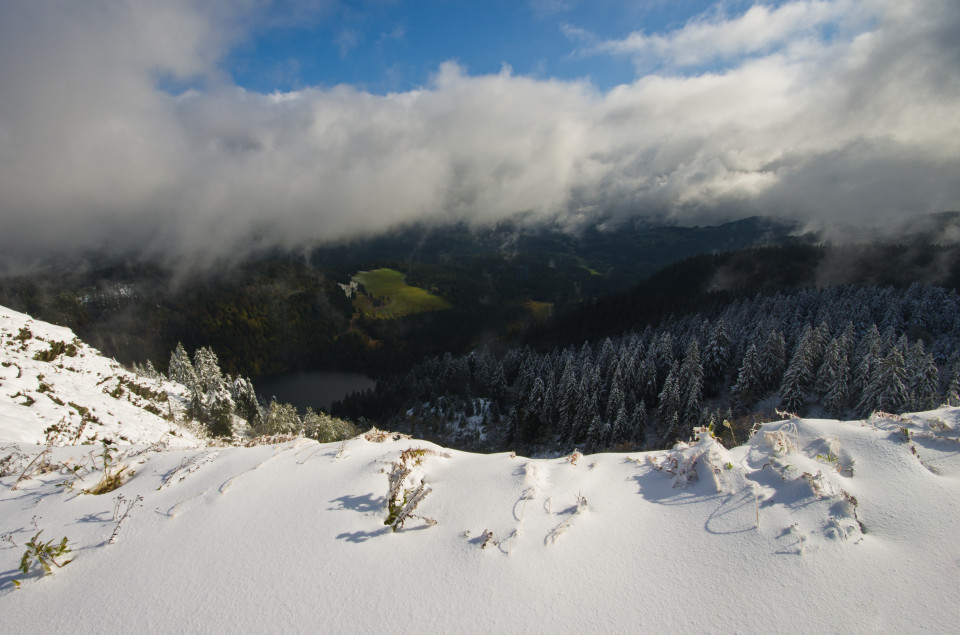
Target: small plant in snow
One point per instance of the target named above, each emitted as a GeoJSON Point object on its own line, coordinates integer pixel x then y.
{"type": "Point", "coordinates": [382, 436]}
{"type": "Point", "coordinates": [937, 425]}
{"type": "Point", "coordinates": [272, 439]}
{"type": "Point", "coordinates": [13, 461]}
{"type": "Point", "coordinates": [112, 478]}
{"type": "Point", "coordinates": [73, 474]}
{"type": "Point", "coordinates": [852, 505]}
{"type": "Point", "coordinates": [801, 539]}
{"type": "Point", "coordinates": [488, 539]}
{"type": "Point", "coordinates": [784, 440]}
{"type": "Point", "coordinates": [560, 529]}
{"type": "Point", "coordinates": [402, 500]}
{"type": "Point", "coordinates": [8, 537]}
{"type": "Point", "coordinates": [818, 484]}
{"type": "Point", "coordinates": [44, 553]}
{"type": "Point", "coordinates": [187, 467]}
{"type": "Point", "coordinates": [575, 456]}
{"type": "Point", "coordinates": [681, 463]}
{"type": "Point", "coordinates": [40, 463]}
{"type": "Point", "coordinates": [121, 503]}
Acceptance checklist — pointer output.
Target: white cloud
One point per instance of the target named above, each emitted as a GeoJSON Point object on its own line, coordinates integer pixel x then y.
{"type": "Point", "coordinates": [92, 153]}
{"type": "Point", "coordinates": [714, 36]}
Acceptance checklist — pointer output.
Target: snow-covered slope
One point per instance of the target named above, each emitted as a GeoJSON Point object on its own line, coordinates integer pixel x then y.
{"type": "Point", "coordinates": [811, 526]}
{"type": "Point", "coordinates": [89, 397]}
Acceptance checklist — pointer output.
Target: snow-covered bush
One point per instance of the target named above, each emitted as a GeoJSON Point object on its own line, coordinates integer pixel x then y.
{"type": "Point", "coordinates": [326, 429]}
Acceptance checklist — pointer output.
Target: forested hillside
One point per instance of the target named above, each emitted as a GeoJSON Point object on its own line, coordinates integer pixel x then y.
{"type": "Point", "coordinates": [839, 351]}
{"type": "Point", "coordinates": [285, 310]}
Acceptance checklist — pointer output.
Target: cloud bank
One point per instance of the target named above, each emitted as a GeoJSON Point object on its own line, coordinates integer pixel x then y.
{"type": "Point", "coordinates": [824, 110]}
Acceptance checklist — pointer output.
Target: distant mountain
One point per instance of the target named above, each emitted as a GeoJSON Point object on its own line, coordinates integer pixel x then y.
{"type": "Point", "coordinates": [608, 256]}
{"type": "Point", "coordinates": [699, 282]}
{"type": "Point", "coordinates": [280, 312]}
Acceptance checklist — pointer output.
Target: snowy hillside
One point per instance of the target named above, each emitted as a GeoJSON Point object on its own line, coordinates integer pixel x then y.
{"type": "Point", "coordinates": [811, 526]}
{"type": "Point", "coordinates": [50, 378]}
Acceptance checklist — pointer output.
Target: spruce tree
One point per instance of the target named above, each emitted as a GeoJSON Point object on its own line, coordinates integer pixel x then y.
{"type": "Point", "coordinates": [793, 390]}
{"type": "Point", "coordinates": [833, 379]}
{"type": "Point", "coordinates": [669, 408]}
{"type": "Point", "coordinates": [691, 385]}
{"type": "Point", "coordinates": [924, 379]}
{"type": "Point", "coordinates": [749, 380]}
{"type": "Point", "coordinates": [621, 427]}
{"type": "Point", "coordinates": [772, 361]}
{"type": "Point", "coordinates": [639, 433]}
{"type": "Point", "coordinates": [869, 353]}
{"type": "Point", "coordinates": [207, 367]}
{"type": "Point", "coordinates": [615, 400]}
{"type": "Point", "coordinates": [952, 395]}
{"type": "Point", "coordinates": [888, 389]}
{"type": "Point", "coordinates": [716, 353]}
{"type": "Point", "coordinates": [181, 368]}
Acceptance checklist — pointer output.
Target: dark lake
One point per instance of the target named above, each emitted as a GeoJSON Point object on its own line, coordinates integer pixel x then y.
{"type": "Point", "coordinates": [314, 388]}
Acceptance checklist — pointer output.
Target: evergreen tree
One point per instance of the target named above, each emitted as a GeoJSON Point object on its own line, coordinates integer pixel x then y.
{"type": "Point", "coordinates": [181, 368]}
{"type": "Point", "coordinates": [669, 408]}
{"type": "Point", "coordinates": [586, 410]}
{"type": "Point", "coordinates": [833, 379]}
{"type": "Point", "coordinates": [531, 423]}
{"type": "Point", "coordinates": [868, 356]}
{"type": "Point", "coordinates": [598, 432]}
{"type": "Point", "coordinates": [924, 379]}
{"type": "Point", "coordinates": [150, 372]}
{"type": "Point", "coordinates": [647, 378]}
{"type": "Point", "coordinates": [952, 395]}
{"type": "Point", "coordinates": [207, 367]}
{"type": "Point", "coordinates": [888, 388]}
{"type": "Point", "coordinates": [716, 353]}
{"type": "Point", "coordinates": [793, 390]}
{"type": "Point", "coordinates": [639, 432]}
{"type": "Point", "coordinates": [749, 381]}
{"type": "Point", "coordinates": [772, 361]}
{"type": "Point", "coordinates": [217, 411]}
{"type": "Point", "coordinates": [621, 427]}
{"type": "Point", "coordinates": [246, 402]}
{"type": "Point", "coordinates": [691, 385]}
{"type": "Point", "coordinates": [567, 408]}
{"type": "Point", "coordinates": [616, 399]}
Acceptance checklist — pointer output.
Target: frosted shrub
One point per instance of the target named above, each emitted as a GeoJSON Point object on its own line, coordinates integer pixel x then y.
{"type": "Point", "coordinates": [326, 429]}
{"type": "Point", "coordinates": [402, 500]}
{"type": "Point", "coordinates": [282, 418]}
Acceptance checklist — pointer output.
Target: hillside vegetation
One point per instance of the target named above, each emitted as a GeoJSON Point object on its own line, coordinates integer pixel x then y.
{"type": "Point", "coordinates": [384, 294]}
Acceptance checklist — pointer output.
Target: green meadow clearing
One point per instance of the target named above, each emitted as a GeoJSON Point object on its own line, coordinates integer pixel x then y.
{"type": "Point", "coordinates": [389, 296]}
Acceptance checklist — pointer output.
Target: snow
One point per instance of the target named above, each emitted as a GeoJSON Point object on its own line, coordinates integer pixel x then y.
{"type": "Point", "coordinates": [856, 532]}
{"type": "Point", "coordinates": [83, 379]}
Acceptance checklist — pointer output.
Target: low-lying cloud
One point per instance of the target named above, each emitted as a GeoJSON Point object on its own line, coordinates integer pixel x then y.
{"type": "Point", "coordinates": [856, 123]}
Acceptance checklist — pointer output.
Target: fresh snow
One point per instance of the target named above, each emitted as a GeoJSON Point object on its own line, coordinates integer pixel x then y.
{"type": "Point", "coordinates": [812, 526]}
{"type": "Point", "coordinates": [85, 379]}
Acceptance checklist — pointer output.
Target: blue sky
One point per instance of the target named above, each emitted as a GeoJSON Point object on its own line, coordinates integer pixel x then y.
{"type": "Point", "coordinates": [387, 46]}
{"type": "Point", "coordinates": [204, 128]}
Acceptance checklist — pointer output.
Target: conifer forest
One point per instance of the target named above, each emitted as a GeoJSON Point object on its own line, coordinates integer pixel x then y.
{"type": "Point", "coordinates": [837, 352]}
